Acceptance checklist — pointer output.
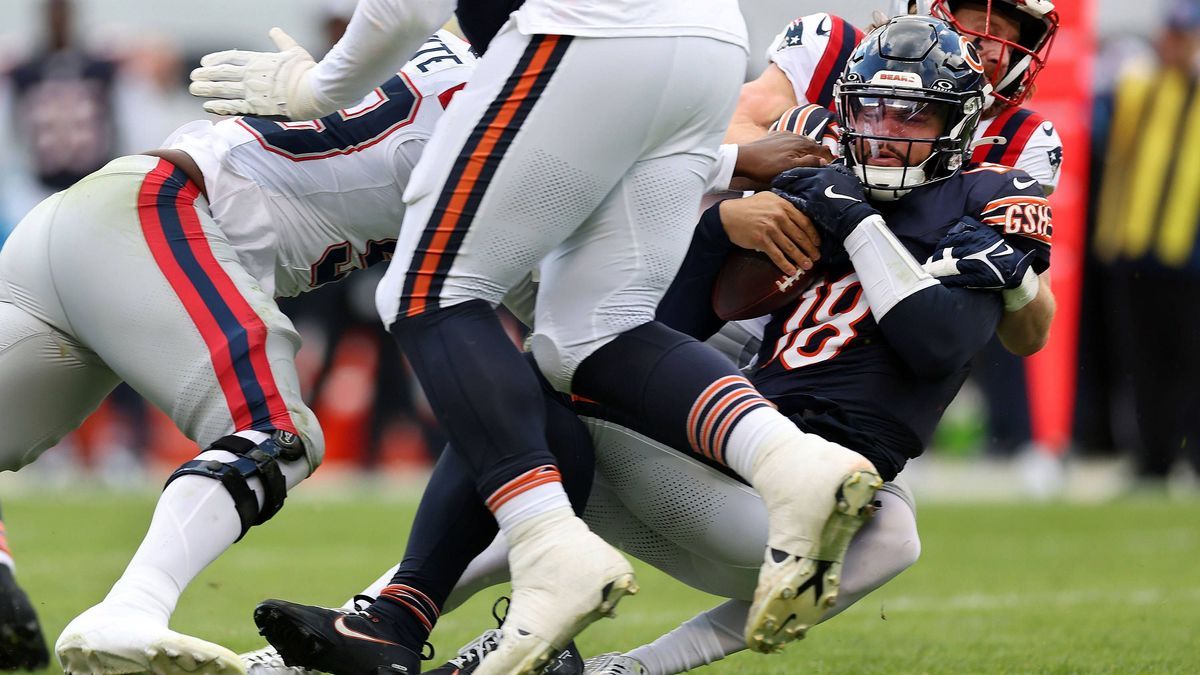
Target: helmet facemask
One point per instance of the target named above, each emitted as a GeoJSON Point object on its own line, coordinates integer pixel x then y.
{"type": "Point", "coordinates": [1038, 22]}
{"type": "Point", "coordinates": [897, 139]}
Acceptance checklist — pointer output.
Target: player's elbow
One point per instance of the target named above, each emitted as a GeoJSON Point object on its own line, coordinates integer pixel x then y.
{"type": "Point", "coordinates": [1024, 343]}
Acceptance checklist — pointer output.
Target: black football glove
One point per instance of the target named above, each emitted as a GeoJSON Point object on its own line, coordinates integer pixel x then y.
{"type": "Point", "coordinates": [974, 255]}
{"type": "Point", "coordinates": [831, 196]}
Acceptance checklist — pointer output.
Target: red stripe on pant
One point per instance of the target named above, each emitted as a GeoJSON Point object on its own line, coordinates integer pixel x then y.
{"type": "Point", "coordinates": [149, 203]}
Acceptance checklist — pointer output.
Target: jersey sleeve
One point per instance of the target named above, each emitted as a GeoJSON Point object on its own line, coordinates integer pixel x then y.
{"type": "Point", "coordinates": [1017, 207]}
{"type": "Point", "coordinates": [812, 51]}
{"type": "Point", "coordinates": [1042, 156]}
{"type": "Point", "coordinates": [381, 34]}
{"type": "Point", "coordinates": [818, 123]}
{"type": "Point", "coordinates": [1031, 143]}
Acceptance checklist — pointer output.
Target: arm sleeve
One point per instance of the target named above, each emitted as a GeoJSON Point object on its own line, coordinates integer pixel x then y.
{"type": "Point", "coordinates": [687, 304]}
{"type": "Point", "coordinates": [382, 35]}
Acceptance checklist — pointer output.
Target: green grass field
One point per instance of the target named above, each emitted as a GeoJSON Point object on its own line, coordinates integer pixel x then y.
{"type": "Point", "coordinates": [1000, 589]}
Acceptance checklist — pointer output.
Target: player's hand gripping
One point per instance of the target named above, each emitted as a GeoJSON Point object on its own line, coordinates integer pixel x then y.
{"type": "Point", "coordinates": [258, 83]}
{"type": "Point", "coordinates": [768, 223]}
{"type": "Point", "coordinates": [831, 196]}
{"type": "Point", "coordinates": [761, 160]}
{"type": "Point", "coordinates": [974, 255]}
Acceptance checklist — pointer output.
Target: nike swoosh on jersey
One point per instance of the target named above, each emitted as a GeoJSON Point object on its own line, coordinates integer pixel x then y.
{"type": "Point", "coordinates": [1022, 184]}
{"type": "Point", "coordinates": [340, 626]}
{"type": "Point", "coordinates": [834, 195]}
{"type": "Point", "coordinates": [820, 25]}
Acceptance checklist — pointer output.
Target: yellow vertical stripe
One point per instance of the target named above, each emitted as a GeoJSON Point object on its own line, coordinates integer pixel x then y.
{"type": "Point", "coordinates": [1123, 134]}
{"type": "Point", "coordinates": [1150, 165]}
{"type": "Point", "coordinates": [1181, 215]}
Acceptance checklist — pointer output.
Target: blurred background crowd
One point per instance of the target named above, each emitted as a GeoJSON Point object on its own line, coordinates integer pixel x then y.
{"type": "Point", "coordinates": [83, 81]}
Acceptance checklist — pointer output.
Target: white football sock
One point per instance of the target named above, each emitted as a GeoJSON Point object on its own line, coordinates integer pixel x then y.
{"type": "Point", "coordinates": [194, 522]}
{"type": "Point", "coordinates": [748, 435]}
{"type": "Point", "coordinates": [487, 569]}
{"type": "Point", "coordinates": [699, 641]}
{"type": "Point", "coordinates": [530, 494]}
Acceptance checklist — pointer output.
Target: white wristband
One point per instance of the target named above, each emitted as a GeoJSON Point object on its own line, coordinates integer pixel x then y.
{"type": "Point", "coordinates": [887, 270]}
{"type": "Point", "coordinates": [1016, 298]}
{"type": "Point", "coordinates": [722, 171]}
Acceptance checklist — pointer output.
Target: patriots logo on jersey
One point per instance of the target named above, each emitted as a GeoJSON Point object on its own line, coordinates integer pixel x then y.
{"type": "Point", "coordinates": [1055, 156]}
{"type": "Point", "coordinates": [793, 36]}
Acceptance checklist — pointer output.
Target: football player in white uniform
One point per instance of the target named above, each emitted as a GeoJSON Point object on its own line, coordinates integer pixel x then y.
{"type": "Point", "coordinates": [613, 111]}
{"type": "Point", "coordinates": [161, 270]}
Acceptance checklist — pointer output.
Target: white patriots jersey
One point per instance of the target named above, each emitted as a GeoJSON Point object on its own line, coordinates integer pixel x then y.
{"type": "Point", "coordinates": [812, 51]}
{"type": "Point", "coordinates": [718, 19]}
{"type": "Point", "coordinates": [306, 203]}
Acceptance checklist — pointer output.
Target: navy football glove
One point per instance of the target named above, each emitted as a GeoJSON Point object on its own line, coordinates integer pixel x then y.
{"type": "Point", "coordinates": [974, 255]}
{"type": "Point", "coordinates": [831, 196]}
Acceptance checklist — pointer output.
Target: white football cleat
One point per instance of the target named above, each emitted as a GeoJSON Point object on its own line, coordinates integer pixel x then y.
{"type": "Point", "coordinates": [113, 641]}
{"type": "Point", "coordinates": [267, 661]}
{"type": "Point", "coordinates": [817, 495]}
{"type": "Point", "coordinates": [564, 577]}
{"type": "Point", "coordinates": [613, 663]}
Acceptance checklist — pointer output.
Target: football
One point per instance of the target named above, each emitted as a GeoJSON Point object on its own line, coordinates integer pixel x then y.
{"type": "Point", "coordinates": [749, 285]}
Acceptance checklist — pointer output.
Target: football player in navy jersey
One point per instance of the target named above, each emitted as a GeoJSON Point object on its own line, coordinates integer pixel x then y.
{"type": "Point", "coordinates": [870, 354]}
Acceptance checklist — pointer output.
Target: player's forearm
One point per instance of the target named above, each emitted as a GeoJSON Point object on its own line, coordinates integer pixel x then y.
{"type": "Point", "coordinates": [382, 35]}
{"type": "Point", "coordinates": [687, 304]}
{"type": "Point", "coordinates": [1026, 331]}
{"type": "Point", "coordinates": [935, 329]}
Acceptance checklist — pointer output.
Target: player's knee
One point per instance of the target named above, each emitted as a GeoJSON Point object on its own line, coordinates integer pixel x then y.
{"type": "Point", "coordinates": [552, 361]}
{"type": "Point", "coordinates": [897, 549]}
{"type": "Point", "coordinates": [310, 433]}
{"type": "Point", "coordinates": [269, 464]}
{"type": "Point", "coordinates": [558, 359]}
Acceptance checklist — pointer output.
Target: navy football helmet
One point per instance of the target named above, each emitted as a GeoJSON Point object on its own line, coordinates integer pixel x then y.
{"type": "Point", "coordinates": [910, 98]}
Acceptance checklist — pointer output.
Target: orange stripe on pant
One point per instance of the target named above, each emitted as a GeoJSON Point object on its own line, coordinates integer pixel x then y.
{"type": "Point", "coordinates": [462, 189]}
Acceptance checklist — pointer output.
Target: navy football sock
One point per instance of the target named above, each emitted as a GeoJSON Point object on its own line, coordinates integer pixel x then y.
{"type": "Point", "coordinates": [453, 526]}
{"type": "Point", "coordinates": [668, 386]}
{"type": "Point", "coordinates": [485, 396]}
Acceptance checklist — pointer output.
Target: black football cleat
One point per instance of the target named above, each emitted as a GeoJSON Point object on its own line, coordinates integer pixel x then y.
{"type": "Point", "coordinates": [22, 646]}
{"type": "Point", "coordinates": [334, 641]}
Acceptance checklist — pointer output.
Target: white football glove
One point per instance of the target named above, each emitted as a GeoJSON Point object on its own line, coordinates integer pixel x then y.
{"type": "Point", "coordinates": [259, 83]}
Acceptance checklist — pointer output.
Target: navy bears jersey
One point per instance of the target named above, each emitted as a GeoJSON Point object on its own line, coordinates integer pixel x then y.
{"type": "Point", "coordinates": [826, 351]}
{"type": "Point", "coordinates": [825, 361]}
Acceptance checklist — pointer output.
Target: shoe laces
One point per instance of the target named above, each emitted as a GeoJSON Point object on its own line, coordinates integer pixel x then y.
{"type": "Point", "coordinates": [496, 609]}
{"type": "Point", "coordinates": [362, 602]}
{"type": "Point", "coordinates": [475, 650]}
{"type": "Point", "coordinates": [613, 663]}
{"type": "Point", "coordinates": [268, 660]}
